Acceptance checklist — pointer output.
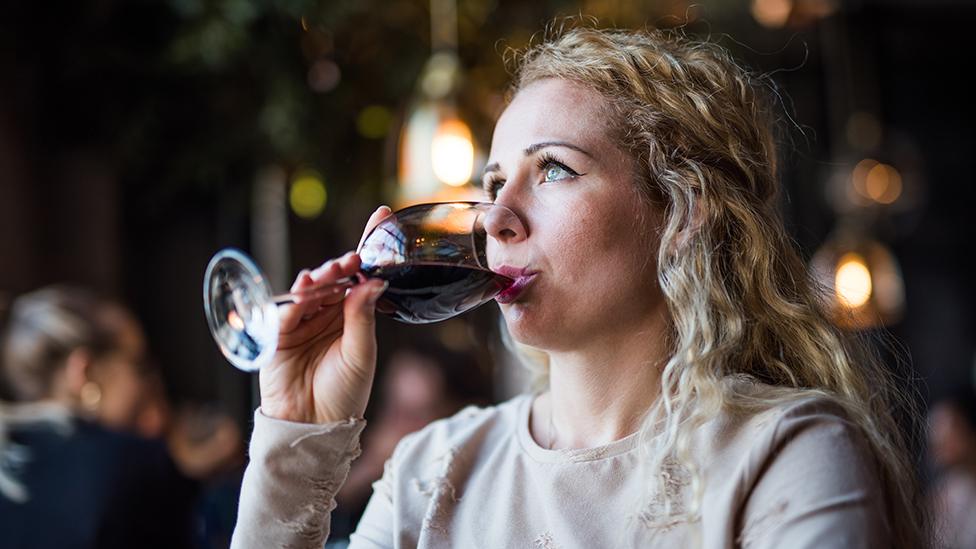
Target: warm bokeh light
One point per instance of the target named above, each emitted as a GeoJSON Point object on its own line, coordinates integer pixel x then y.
{"type": "Point", "coordinates": [772, 13]}
{"type": "Point", "coordinates": [883, 184]}
{"type": "Point", "coordinates": [452, 152]}
{"type": "Point", "coordinates": [862, 279]}
{"type": "Point", "coordinates": [308, 195]}
{"type": "Point", "coordinates": [859, 177]}
{"type": "Point", "coordinates": [852, 281]}
{"type": "Point", "coordinates": [876, 182]}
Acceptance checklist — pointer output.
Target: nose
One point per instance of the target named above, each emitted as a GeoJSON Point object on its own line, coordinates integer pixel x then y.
{"type": "Point", "coordinates": [504, 225]}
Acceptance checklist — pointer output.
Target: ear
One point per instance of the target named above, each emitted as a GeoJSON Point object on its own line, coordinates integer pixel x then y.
{"type": "Point", "coordinates": [77, 370]}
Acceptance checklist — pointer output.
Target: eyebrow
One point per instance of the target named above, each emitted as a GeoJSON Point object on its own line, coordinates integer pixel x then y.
{"type": "Point", "coordinates": [534, 148]}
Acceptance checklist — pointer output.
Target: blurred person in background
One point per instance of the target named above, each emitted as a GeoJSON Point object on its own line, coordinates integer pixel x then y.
{"type": "Point", "coordinates": [73, 470]}
{"type": "Point", "coordinates": [952, 450]}
{"type": "Point", "coordinates": [421, 382]}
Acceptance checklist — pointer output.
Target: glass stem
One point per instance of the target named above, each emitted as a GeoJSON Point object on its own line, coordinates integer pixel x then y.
{"type": "Point", "coordinates": [325, 290]}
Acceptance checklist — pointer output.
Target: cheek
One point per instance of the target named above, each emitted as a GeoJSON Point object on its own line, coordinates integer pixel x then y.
{"type": "Point", "coordinates": [121, 397]}
{"type": "Point", "coordinates": [594, 239]}
{"type": "Point", "coordinates": [603, 244]}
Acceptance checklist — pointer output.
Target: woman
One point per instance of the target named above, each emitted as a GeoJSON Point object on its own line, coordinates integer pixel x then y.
{"type": "Point", "coordinates": [70, 474]}
{"type": "Point", "coordinates": [692, 392]}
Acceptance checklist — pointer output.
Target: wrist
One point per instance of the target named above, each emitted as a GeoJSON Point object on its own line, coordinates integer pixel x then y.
{"type": "Point", "coordinates": [284, 413]}
{"type": "Point", "coordinates": [325, 414]}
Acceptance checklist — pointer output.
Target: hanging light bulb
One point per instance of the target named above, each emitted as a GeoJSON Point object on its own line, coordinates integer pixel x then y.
{"type": "Point", "coordinates": [436, 157]}
{"type": "Point", "coordinates": [852, 281]}
{"type": "Point", "coordinates": [436, 148]}
{"type": "Point", "coordinates": [862, 282]}
{"type": "Point", "coordinates": [452, 152]}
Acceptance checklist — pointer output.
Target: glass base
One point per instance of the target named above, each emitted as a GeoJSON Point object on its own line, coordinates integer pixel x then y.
{"type": "Point", "coordinates": [241, 311]}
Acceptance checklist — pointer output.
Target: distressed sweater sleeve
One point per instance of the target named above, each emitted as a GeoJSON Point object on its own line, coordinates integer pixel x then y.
{"type": "Point", "coordinates": [289, 487]}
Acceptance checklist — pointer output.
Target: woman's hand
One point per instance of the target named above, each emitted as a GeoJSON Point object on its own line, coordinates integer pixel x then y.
{"type": "Point", "coordinates": [326, 359]}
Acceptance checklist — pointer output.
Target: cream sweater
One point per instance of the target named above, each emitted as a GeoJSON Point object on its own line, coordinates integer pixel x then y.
{"type": "Point", "coordinates": [795, 477]}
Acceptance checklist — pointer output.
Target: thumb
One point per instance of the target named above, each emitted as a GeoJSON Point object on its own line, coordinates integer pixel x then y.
{"type": "Point", "coordinates": [359, 323]}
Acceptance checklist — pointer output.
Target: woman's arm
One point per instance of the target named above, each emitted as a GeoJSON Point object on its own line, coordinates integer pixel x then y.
{"type": "Point", "coordinates": [290, 483]}
{"type": "Point", "coordinates": [312, 395]}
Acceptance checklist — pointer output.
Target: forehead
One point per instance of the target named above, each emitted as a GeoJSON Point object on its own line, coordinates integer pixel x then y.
{"type": "Point", "coordinates": [552, 110]}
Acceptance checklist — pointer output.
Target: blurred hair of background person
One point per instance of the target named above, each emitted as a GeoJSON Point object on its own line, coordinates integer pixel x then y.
{"type": "Point", "coordinates": [74, 471]}
{"type": "Point", "coordinates": [421, 382]}
{"type": "Point", "coordinates": [952, 448]}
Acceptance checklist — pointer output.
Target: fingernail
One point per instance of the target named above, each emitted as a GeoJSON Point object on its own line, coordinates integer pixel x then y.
{"type": "Point", "coordinates": [376, 291]}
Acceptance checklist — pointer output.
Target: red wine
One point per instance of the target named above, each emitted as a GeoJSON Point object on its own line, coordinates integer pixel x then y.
{"type": "Point", "coordinates": [424, 292]}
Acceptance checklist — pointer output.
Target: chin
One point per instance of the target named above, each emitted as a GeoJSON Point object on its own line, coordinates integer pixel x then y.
{"type": "Point", "coordinates": [526, 330]}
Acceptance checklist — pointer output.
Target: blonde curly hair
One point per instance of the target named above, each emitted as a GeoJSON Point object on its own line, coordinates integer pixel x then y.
{"type": "Point", "coordinates": [702, 132]}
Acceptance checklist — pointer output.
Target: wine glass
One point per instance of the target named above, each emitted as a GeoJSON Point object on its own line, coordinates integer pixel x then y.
{"type": "Point", "coordinates": [432, 255]}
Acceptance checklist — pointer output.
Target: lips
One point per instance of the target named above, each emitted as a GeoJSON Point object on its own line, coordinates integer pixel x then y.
{"type": "Point", "coordinates": [522, 278]}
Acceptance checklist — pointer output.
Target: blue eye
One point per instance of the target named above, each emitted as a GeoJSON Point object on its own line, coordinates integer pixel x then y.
{"type": "Point", "coordinates": [555, 172]}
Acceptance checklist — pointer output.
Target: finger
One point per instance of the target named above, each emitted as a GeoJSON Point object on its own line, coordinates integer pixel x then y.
{"type": "Point", "coordinates": [325, 278]}
{"type": "Point", "coordinates": [359, 324]}
{"type": "Point", "coordinates": [325, 324]}
{"type": "Point", "coordinates": [331, 270]}
{"type": "Point", "coordinates": [335, 269]}
{"type": "Point", "coordinates": [305, 309]}
{"type": "Point", "coordinates": [291, 315]}
{"type": "Point", "coordinates": [338, 270]}
{"type": "Point", "coordinates": [379, 215]}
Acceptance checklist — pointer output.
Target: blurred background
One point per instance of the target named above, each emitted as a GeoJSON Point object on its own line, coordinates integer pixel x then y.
{"type": "Point", "coordinates": [138, 137]}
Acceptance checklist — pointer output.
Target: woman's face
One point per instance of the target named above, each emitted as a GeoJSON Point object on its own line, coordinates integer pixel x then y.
{"type": "Point", "coordinates": [117, 374]}
{"type": "Point", "coordinates": [588, 271]}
